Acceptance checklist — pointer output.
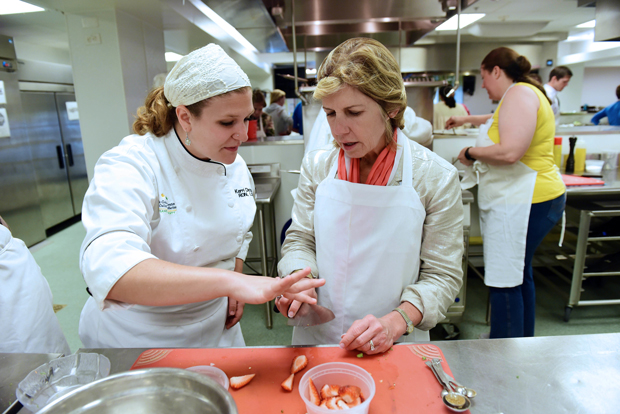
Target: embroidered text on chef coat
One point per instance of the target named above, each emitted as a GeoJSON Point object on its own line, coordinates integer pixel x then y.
{"type": "Point", "coordinates": [167, 206]}
{"type": "Point", "coordinates": [244, 192]}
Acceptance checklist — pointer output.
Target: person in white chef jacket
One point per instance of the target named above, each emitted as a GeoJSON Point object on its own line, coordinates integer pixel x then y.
{"type": "Point", "coordinates": [521, 195]}
{"type": "Point", "coordinates": [27, 320]}
{"type": "Point", "coordinates": [168, 216]}
{"type": "Point", "coordinates": [377, 215]}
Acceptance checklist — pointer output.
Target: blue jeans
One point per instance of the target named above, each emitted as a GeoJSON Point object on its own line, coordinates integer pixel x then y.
{"type": "Point", "coordinates": [513, 309]}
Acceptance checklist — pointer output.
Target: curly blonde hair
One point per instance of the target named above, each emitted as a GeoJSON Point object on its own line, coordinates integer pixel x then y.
{"type": "Point", "coordinates": [368, 66]}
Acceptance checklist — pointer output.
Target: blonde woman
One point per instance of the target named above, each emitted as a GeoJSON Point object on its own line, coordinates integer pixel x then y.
{"type": "Point", "coordinates": [282, 122]}
{"type": "Point", "coordinates": [168, 216]}
{"type": "Point", "coordinates": [378, 216]}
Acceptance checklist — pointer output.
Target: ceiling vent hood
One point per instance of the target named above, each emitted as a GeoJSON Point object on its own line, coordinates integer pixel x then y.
{"type": "Point", "coordinates": [607, 18]}
{"type": "Point", "coordinates": [324, 24]}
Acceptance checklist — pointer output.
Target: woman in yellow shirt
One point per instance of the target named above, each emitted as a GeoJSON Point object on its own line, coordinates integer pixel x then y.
{"type": "Point", "coordinates": [521, 195]}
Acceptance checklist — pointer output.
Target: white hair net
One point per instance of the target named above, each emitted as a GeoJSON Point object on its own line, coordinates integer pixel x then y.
{"type": "Point", "coordinates": [202, 74]}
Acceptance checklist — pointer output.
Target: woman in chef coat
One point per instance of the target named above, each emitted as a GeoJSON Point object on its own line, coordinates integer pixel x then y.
{"type": "Point", "coordinates": [521, 195]}
{"type": "Point", "coordinates": [168, 216]}
{"type": "Point", "coordinates": [27, 319]}
{"type": "Point", "coordinates": [378, 216]}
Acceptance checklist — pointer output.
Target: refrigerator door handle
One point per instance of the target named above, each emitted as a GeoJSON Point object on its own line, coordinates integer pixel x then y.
{"type": "Point", "coordinates": [61, 163]}
{"type": "Point", "coordinates": [70, 155]}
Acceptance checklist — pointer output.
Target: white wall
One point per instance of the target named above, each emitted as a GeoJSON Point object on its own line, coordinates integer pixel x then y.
{"type": "Point", "coordinates": [599, 86]}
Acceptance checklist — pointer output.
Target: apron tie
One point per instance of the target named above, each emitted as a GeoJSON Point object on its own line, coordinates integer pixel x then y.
{"type": "Point", "coordinates": [563, 229]}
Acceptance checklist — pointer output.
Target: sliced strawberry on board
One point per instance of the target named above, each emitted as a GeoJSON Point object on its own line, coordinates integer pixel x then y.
{"type": "Point", "coordinates": [288, 383]}
{"type": "Point", "coordinates": [300, 362]}
{"type": "Point", "coordinates": [238, 382]}
{"type": "Point", "coordinates": [314, 394]}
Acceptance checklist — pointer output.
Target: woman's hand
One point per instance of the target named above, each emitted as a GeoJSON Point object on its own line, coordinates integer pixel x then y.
{"type": "Point", "coordinates": [289, 308]}
{"type": "Point", "coordinates": [235, 312]}
{"type": "Point", "coordinates": [381, 331]}
{"type": "Point", "coordinates": [455, 121]}
{"type": "Point", "coordinates": [463, 159]}
{"type": "Point", "coordinates": [261, 289]}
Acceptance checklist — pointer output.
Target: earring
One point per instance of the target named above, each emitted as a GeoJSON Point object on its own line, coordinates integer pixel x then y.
{"type": "Point", "coordinates": [188, 142]}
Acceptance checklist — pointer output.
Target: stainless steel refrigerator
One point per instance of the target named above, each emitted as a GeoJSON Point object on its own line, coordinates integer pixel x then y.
{"type": "Point", "coordinates": [19, 199]}
{"type": "Point", "coordinates": [57, 153]}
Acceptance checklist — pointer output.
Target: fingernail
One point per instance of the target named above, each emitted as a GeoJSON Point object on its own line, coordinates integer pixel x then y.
{"type": "Point", "coordinates": [291, 314]}
{"type": "Point", "coordinates": [341, 345]}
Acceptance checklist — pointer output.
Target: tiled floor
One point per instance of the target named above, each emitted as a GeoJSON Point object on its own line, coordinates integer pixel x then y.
{"type": "Point", "coordinates": [58, 258]}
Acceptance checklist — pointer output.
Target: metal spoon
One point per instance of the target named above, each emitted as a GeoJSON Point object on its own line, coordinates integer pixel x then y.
{"type": "Point", "coordinates": [461, 389]}
{"type": "Point", "coordinates": [454, 401]}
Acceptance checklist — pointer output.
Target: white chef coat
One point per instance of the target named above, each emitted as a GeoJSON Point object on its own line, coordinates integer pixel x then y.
{"type": "Point", "coordinates": [552, 94]}
{"type": "Point", "coordinates": [150, 198]}
{"type": "Point", "coordinates": [27, 319]}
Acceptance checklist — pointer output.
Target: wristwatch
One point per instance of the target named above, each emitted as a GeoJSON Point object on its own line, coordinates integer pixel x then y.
{"type": "Point", "coordinates": [469, 157]}
{"type": "Point", "coordinates": [407, 320]}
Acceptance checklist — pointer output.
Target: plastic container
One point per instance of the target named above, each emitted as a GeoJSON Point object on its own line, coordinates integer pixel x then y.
{"type": "Point", "coordinates": [557, 151]}
{"type": "Point", "coordinates": [217, 374]}
{"type": "Point", "coordinates": [60, 376]}
{"type": "Point", "coordinates": [252, 127]}
{"type": "Point", "coordinates": [337, 373]}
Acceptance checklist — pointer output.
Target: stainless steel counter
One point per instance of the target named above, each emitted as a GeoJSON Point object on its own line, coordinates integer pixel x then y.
{"type": "Point", "coordinates": [557, 374]}
{"type": "Point", "coordinates": [277, 140]}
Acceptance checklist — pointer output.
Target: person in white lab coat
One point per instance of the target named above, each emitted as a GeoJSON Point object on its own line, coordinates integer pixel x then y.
{"type": "Point", "coordinates": [27, 320]}
{"type": "Point", "coordinates": [377, 215]}
{"type": "Point", "coordinates": [282, 122]}
{"type": "Point", "coordinates": [168, 216]}
{"type": "Point", "coordinates": [521, 195]}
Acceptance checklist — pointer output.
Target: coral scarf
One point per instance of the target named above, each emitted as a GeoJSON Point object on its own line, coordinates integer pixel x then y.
{"type": "Point", "coordinates": [379, 173]}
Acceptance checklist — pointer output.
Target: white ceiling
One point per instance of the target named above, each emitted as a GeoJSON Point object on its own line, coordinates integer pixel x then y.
{"type": "Point", "coordinates": [513, 20]}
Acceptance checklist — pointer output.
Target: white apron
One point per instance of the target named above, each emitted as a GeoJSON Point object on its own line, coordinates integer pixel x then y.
{"type": "Point", "coordinates": [27, 320]}
{"type": "Point", "coordinates": [504, 198]}
{"type": "Point", "coordinates": [368, 250]}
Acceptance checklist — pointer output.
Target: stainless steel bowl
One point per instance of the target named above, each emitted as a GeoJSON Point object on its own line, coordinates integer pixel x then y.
{"type": "Point", "coordinates": [148, 391]}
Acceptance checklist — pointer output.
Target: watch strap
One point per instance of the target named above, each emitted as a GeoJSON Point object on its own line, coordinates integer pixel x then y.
{"type": "Point", "coordinates": [407, 320]}
{"type": "Point", "coordinates": [469, 157]}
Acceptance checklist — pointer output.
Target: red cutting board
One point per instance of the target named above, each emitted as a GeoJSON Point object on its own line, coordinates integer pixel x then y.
{"type": "Point", "coordinates": [404, 384]}
{"type": "Point", "coordinates": [576, 180]}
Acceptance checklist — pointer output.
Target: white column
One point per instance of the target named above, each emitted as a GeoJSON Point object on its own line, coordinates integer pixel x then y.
{"type": "Point", "coordinates": [114, 56]}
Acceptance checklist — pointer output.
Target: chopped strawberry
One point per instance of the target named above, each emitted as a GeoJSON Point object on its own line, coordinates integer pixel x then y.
{"type": "Point", "coordinates": [300, 362]}
{"type": "Point", "coordinates": [238, 382]}
{"type": "Point", "coordinates": [329, 391]}
{"type": "Point", "coordinates": [323, 404]}
{"type": "Point", "coordinates": [349, 393]}
{"type": "Point", "coordinates": [288, 383]}
{"type": "Point", "coordinates": [341, 405]}
{"type": "Point", "coordinates": [332, 403]}
{"type": "Point", "coordinates": [356, 402]}
{"type": "Point", "coordinates": [314, 394]}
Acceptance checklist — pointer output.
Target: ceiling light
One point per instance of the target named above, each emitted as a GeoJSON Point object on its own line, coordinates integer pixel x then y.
{"type": "Point", "coordinates": [587, 25]}
{"type": "Point", "coordinates": [173, 57]}
{"type": "Point", "coordinates": [466, 20]}
{"type": "Point", "coordinates": [310, 71]}
{"type": "Point", "coordinates": [17, 6]}
{"type": "Point", "coordinates": [223, 24]}
{"type": "Point", "coordinates": [583, 36]}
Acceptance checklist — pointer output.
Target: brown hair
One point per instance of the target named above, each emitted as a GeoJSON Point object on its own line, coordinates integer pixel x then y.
{"type": "Point", "coordinates": [514, 65]}
{"type": "Point", "coordinates": [560, 72]}
{"type": "Point", "coordinates": [258, 97]}
{"type": "Point", "coordinates": [618, 91]}
{"type": "Point", "coordinates": [157, 116]}
{"type": "Point", "coordinates": [368, 66]}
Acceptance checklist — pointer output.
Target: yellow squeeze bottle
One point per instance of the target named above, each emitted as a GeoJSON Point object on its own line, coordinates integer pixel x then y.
{"type": "Point", "coordinates": [580, 158]}
{"type": "Point", "coordinates": [557, 151]}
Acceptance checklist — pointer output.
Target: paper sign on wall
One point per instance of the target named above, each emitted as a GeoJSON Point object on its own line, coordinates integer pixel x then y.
{"type": "Point", "coordinates": [72, 111]}
{"type": "Point", "coordinates": [2, 93]}
{"type": "Point", "coordinates": [5, 131]}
